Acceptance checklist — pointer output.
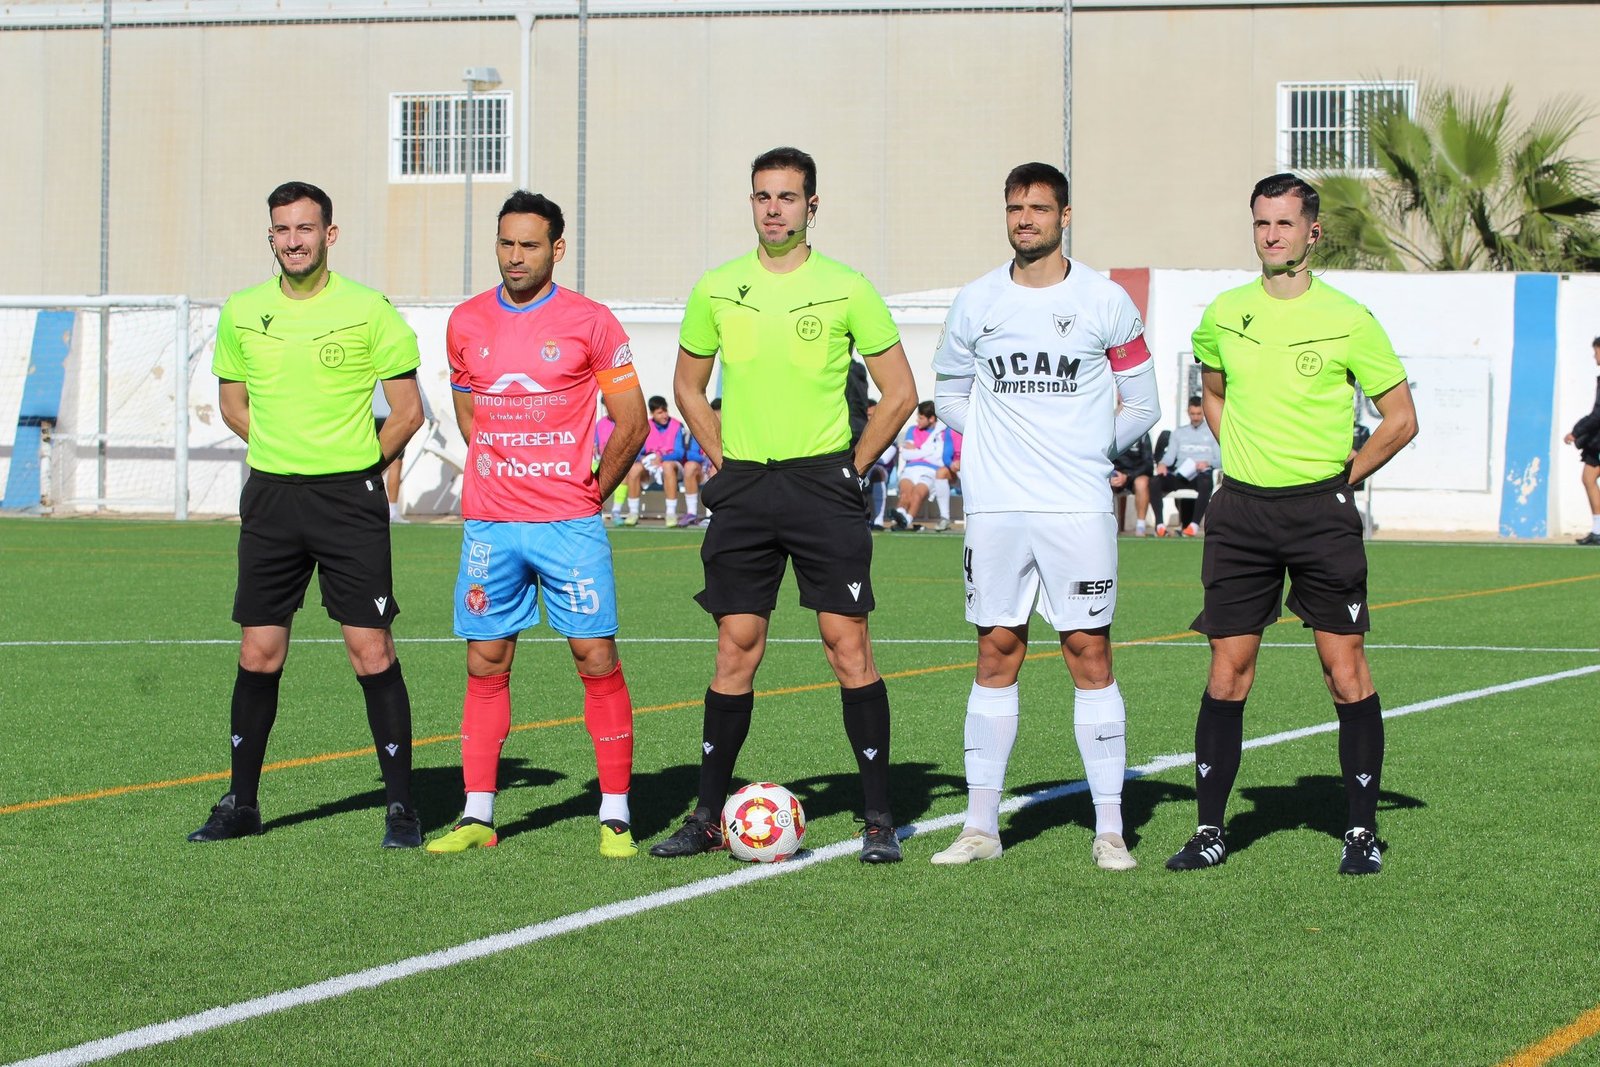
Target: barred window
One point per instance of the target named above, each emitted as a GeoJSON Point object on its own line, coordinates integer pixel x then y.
{"type": "Point", "coordinates": [431, 139]}
{"type": "Point", "coordinates": [1322, 125]}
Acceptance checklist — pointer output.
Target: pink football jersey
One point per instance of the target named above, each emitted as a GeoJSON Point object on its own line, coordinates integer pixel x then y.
{"type": "Point", "coordinates": [534, 374]}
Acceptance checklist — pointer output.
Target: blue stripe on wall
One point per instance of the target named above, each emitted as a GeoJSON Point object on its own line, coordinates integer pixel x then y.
{"type": "Point", "coordinates": [41, 402]}
{"type": "Point", "coordinates": [1525, 495]}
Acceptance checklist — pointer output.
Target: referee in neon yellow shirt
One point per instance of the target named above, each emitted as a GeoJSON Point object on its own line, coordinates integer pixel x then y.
{"type": "Point", "coordinates": [788, 484]}
{"type": "Point", "coordinates": [1279, 357]}
{"type": "Point", "coordinates": [296, 358]}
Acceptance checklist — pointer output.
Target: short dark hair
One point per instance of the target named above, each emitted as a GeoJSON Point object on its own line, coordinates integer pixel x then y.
{"type": "Point", "coordinates": [290, 192]}
{"type": "Point", "coordinates": [1194, 402]}
{"type": "Point", "coordinates": [788, 159]}
{"type": "Point", "coordinates": [925, 409]}
{"type": "Point", "coordinates": [657, 403]}
{"type": "Point", "coordinates": [1030, 174]}
{"type": "Point", "coordinates": [1277, 185]}
{"type": "Point", "coordinates": [523, 202]}
{"type": "Point", "coordinates": [716, 405]}
{"type": "Point", "coordinates": [1597, 342]}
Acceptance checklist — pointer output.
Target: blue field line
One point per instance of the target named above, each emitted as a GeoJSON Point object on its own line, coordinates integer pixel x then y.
{"type": "Point", "coordinates": [373, 977]}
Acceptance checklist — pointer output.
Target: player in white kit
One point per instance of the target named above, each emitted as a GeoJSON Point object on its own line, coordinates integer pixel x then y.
{"type": "Point", "coordinates": [1033, 358]}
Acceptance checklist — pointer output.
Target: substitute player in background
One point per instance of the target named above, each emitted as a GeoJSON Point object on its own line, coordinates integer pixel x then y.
{"type": "Point", "coordinates": [788, 484]}
{"type": "Point", "coordinates": [297, 358]}
{"type": "Point", "coordinates": [526, 361]}
{"type": "Point", "coordinates": [1033, 358]}
{"type": "Point", "coordinates": [1279, 357]}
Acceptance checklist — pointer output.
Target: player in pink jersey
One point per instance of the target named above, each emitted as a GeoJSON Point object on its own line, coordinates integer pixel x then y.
{"type": "Point", "coordinates": [527, 360]}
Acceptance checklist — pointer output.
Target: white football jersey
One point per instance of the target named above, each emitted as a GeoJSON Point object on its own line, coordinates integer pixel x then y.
{"type": "Point", "coordinates": [1043, 398]}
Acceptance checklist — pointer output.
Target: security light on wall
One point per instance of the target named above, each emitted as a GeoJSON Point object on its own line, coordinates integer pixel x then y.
{"type": "Point", "coordinates": [481, 79]}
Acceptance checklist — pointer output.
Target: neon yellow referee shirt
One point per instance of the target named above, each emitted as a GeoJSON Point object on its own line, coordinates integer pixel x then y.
{"type": "Point", "coordinates": [785, 341]}
{"type": "Point", "coordinates": [310, 366]}
{"type": "Point", "coordinates": [1290, 365]}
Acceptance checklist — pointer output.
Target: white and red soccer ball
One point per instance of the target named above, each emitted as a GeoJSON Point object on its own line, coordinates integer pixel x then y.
{"type": "Point", "coordinates": [763, 823]}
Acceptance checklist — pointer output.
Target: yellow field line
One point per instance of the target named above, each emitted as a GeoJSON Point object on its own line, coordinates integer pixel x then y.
{"type": "Point", "coordinates": [307, 761]}
{"type": "Point", "coordinates": [1557, 1042]}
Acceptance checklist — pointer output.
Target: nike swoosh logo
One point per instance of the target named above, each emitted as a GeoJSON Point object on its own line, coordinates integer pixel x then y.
{"type": "Point", "coordinates": [1095, 611]}
{"type": "Point", "coordinates": [990, 329]}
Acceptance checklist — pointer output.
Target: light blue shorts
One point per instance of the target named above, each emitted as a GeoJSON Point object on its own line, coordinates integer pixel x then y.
{"type": "Point", "coordinates": [504, 565]}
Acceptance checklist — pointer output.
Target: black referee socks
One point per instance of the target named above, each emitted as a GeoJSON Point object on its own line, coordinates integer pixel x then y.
{"type": "Point", "coordinates": [389, 716]}
{"type": "Point", "coordinates": [866, 723]}
{"type": "Point", "coordinates": [1361, 758]}
{"type": "Point", "coordinates": [1218, 741]}
{"type": "Point", "coordinates": [726, 725]}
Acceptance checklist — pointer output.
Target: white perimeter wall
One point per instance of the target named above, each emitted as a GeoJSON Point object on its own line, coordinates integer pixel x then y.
{"type": "Point", "coordinates": [1453, 331]}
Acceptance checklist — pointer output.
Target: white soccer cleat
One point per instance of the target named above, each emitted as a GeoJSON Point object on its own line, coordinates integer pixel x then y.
{"type": "Point", "coordinates": [1111, 853]}
{"type": "Point", "coordinates": [971, 845]}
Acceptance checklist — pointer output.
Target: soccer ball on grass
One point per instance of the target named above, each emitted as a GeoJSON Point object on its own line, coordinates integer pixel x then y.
{"type": "Point", "coordinates": [763, 823]}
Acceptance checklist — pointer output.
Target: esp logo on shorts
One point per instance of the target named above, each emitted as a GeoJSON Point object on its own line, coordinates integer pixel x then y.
{"type": "Point", "coordinates": [1097, 588]}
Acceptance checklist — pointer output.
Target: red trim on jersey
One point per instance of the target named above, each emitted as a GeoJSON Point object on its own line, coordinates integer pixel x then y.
{"type": "Point", "coordinates": [1128, 356]}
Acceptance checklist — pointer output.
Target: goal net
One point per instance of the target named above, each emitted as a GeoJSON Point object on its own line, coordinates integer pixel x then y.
{"type": "Point", "coordinates": [95, 403]}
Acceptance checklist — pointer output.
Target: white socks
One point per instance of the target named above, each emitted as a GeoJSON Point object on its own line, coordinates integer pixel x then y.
{"type": "Point", "coordinates": [614, 806]}
{"type": "Point", "coordinates": [991, 730]}
{"type": "Point", "coordinates": [672, 510]}
{"type": "Point", "coordinates": [1099, 720]}
{"type": "Point", "coordinates": [1594, 525]}
{"type": "Point", "coordinates": [941, 496]}
{"type": "Point", "coordinates": [480, 806]}
{"type": "Point", "coordinates": [691, 503]}
{"type": "Point", "coordinates": [633, 506]}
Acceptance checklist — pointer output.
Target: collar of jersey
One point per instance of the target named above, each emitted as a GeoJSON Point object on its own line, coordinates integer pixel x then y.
{"type": "Point", "coordinates": [500, 295]}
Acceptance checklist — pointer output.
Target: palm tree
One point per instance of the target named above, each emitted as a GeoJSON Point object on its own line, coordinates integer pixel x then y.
{"type": "Point", "coordinates": [1462, 187]}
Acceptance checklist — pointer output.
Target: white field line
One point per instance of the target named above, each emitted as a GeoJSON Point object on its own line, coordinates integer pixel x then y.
{"type": "Point", "coordinates": [372, 977]}
{"type": "Point", "coordinates": [711, 639]}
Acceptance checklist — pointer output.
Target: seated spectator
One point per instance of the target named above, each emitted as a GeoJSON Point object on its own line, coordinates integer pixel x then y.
{"type": "Point", "coordinates": [661, 459]}
{"type": "Point", "coordinates": [603, 427]}
{"type": "Point", "coordinates": [697, 470]}
{"type": "Point", "coordinates": [878, 478]}
{"type": "Point", "coordinates": [946, 476]}
{"type": "Point", "coordinates": [1130, 473]}
{"type": "Point", "coordinates": [921, 456]}
{"type": "Point", "coordinates": [1188, 461]}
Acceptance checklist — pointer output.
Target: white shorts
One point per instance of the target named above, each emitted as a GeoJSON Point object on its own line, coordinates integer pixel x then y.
{"type": "Point", "coordinates": [1065, 562]}
{"type": "Point", "coordinates": [919, 475]}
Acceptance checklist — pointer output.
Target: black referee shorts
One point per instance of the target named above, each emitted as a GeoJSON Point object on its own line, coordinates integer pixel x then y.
{"type": "Point", "coordinates": [1255, 536]}
{"type": "Point", "coordinates": [336, 523]}
{"type": "Point", "coordinates": [764, 514]}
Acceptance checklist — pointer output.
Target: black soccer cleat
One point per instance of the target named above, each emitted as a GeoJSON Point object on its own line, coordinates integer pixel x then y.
{"type": "Point", "coordinates": [401, 827]}
{"type": "Point", "coordinates": [1362, 853]}
{"type": "Point", "coordinates": [1205, 849]}
{"type": "Point", "coordinates": [229, 820]}
{"type": "Point", "coordinates": [879, 843]}
{"type": "Point", "coordinates": [695, 836]}
{"type": "Point", "coordinates": [1589, 539]}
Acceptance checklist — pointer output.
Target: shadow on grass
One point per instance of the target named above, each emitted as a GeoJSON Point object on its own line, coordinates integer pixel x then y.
{"type": "Point", "coordinates": [436, 793]}
{"type": "Point", "coordinates": [654, 798]}
{"type": "Point", "coordinates": [660, 799]}
{"type": "Point", "coordinates": [912, 790]}
{"type": "Point", "coordinates": [1314, 802]}
{"type": "Point", "coordinates": [1140, 797]}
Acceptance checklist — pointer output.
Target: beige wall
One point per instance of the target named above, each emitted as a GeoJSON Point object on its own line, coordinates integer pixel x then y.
{"type": "Point", "coordinates": [914, 119]}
